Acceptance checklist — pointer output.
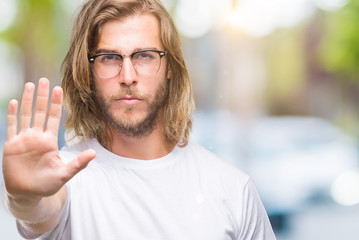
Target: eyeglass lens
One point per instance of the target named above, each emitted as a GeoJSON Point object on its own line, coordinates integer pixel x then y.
{"type": "Point", "coordinates": [145, 63]}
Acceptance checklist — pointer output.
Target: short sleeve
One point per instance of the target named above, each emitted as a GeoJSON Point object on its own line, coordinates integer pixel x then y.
{"type": "Point", "coordinates": [254, 221]}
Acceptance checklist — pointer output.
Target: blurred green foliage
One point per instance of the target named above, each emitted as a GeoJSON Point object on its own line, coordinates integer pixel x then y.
{"type": "Point", "coordinates": [339, 50]}
{"type": "Point", "coordinates": [284, 52]}
{"type": "Point", "coordinates": [39, 31]}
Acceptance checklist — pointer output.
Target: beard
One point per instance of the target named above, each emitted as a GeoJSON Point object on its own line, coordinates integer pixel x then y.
{"type": "Point", "coordinates": [125, 123]}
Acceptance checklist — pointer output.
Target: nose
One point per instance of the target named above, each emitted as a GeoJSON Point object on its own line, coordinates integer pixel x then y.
{"type": "Point", "coordinates": [128, 75]}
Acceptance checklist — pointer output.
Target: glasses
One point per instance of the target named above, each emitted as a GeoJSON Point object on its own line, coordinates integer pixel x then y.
{"type": "Point", "coordinates": [146, 62]}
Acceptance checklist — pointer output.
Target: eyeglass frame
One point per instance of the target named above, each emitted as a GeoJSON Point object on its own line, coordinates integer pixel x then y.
{"type": "Point", "coordinates": [161, 53]}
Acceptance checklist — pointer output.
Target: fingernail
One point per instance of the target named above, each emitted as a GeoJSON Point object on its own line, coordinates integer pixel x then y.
{"type": "Point", "coordinates": [29, 85]}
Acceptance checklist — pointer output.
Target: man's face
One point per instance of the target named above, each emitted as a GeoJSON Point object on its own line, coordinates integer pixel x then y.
{"type": "Point", "coordinates": [129, 101]}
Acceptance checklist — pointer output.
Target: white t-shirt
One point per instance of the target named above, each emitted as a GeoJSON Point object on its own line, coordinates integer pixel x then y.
{"type": "Point", "coordinates": [189, 194]}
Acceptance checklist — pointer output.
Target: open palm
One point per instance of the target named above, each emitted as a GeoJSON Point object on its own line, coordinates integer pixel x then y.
{"type": "Point", "coordinates": [32, 166]}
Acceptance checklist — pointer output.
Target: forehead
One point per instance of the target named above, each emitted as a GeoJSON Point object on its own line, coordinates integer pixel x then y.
{"type": "Point", "coordinates": [131, 33]}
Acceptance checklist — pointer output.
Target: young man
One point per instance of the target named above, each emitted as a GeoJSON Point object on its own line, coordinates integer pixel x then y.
{"type": "Point", "coordinates": [128, 96]}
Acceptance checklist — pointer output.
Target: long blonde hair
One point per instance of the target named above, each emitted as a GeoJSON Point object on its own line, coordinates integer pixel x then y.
{"type": "Point", "coordinates": [84, 115]}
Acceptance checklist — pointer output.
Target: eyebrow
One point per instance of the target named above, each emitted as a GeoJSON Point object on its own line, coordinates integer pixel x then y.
{"type": "Point", "coordinates": [99, 51]}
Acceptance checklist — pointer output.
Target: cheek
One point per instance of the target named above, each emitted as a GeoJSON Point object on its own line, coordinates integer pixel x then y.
{"type": "Point", "coordinates": [157, 85]}
{"type": "Point", "coordinates": [104, 87]}
{"type": "Point", "coordinates": [101, 92]}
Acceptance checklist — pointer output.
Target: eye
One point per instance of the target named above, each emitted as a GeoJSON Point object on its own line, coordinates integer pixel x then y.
{"type": "Point", "coordinates": [109, 58]}
{"type": "Point", "coordinates": [144, 55]}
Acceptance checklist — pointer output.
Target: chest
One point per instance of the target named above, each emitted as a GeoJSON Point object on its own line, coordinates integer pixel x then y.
{"type": "Point", "coordinates": [148, 205]}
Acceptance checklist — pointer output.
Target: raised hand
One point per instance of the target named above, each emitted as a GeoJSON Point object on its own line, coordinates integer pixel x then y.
{"type": "Point", "coordinates": [32, 167]}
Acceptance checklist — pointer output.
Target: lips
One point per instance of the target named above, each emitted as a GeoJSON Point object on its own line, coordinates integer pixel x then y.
{"type": "Point", "coordinates": [127, 97]}
{"type": "Point", "coordinates": [130, 100]}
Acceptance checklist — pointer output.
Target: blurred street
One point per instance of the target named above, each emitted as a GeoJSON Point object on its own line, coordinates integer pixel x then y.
{"type": "Point", "coordinates": [325, 221]}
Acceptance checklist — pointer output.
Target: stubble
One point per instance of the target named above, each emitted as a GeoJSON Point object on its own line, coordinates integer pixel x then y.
{"type": "Point", "coordinates": [125, 124]}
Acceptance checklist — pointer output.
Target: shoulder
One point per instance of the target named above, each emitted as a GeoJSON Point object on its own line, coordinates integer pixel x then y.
{"type": "Point", "coordinates": [215, 166]}
{"type": "Point", "coordinates": [211, 160]}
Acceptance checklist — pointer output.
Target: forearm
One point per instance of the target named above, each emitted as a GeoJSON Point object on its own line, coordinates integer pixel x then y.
{"type": "Point", "coordinates": [39, 215]}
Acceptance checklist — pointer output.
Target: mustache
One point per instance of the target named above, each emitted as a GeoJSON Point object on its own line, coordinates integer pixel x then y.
{"type": "Point", "coordinates": [128, 92]}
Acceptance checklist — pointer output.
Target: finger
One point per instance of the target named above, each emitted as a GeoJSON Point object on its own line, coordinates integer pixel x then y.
{"type": "Point", "coordinates": [54, 117]}
{"type": "Point", "coordinates": [42, 101]}
{"type": "Point", "coordinates": [26, 106]}
{"type": "Point", "coordinates": [79, 163]}
{"type": "Point", "coordinates": [12, 119]}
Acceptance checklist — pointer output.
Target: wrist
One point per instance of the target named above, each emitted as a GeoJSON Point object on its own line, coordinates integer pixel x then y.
{"type": "Point", "coordinates": [37, 215]}
{"type": "Point", "coordinates": [12, 200]}
{"type": "Point", "coordinates": [19, 205]}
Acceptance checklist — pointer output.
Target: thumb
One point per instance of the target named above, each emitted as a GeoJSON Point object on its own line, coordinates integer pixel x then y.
{"type": "Point", "coordinates": [79, 163]}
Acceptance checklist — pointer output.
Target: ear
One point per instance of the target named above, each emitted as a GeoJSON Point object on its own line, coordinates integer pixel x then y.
{"type": "Point", "coordinates": [169, 72]}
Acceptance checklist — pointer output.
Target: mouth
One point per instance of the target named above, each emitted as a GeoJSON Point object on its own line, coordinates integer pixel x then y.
{"type": "Point", "coordinates": [129, 100]}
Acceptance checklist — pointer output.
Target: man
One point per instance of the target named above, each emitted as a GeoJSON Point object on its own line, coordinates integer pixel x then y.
{"type": "Point", "coordinates": [128, 97]}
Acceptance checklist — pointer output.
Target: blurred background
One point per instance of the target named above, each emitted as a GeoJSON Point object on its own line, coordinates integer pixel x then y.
{"type": "Point", "coordinates": [276, 84]}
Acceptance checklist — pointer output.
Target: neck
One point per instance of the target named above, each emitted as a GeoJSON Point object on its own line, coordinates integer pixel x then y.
{"type": "Point", "coordinates": [151, 146]}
